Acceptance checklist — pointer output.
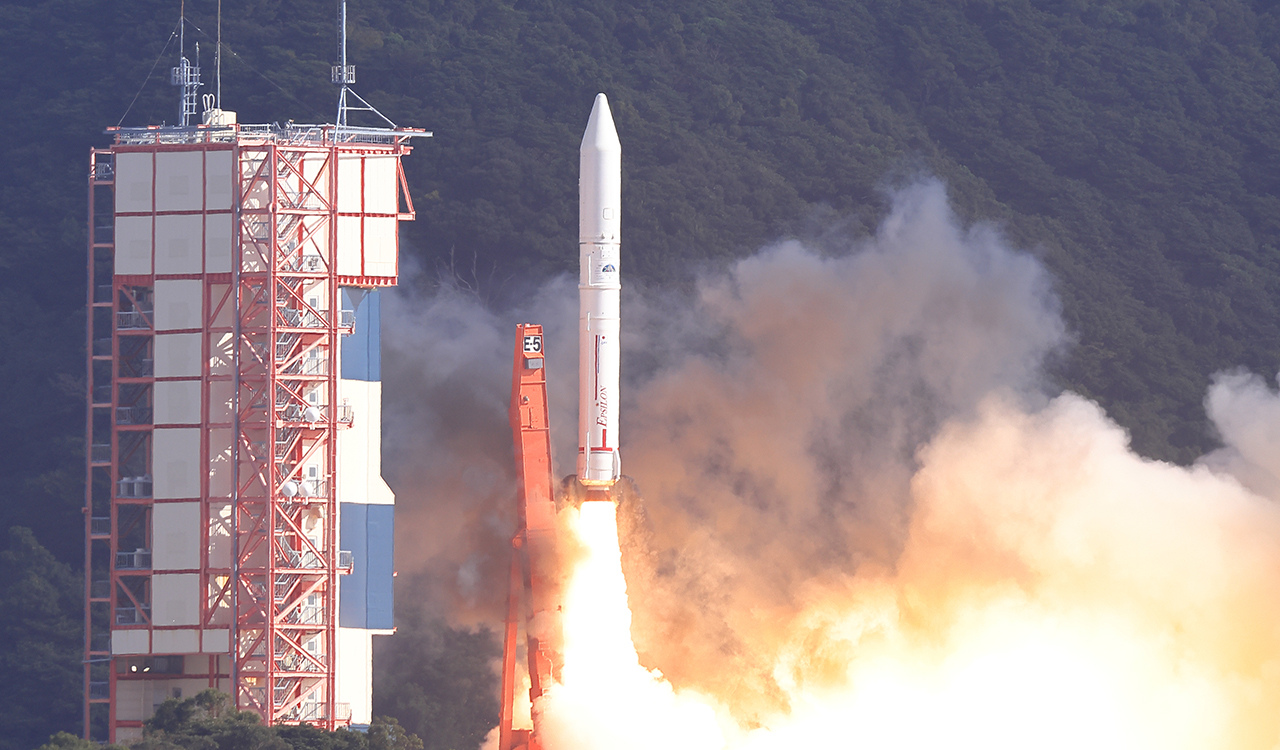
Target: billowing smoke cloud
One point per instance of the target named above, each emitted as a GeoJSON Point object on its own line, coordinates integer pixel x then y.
{"type": "Point", "coordinates": [861, 512]}
{"type": "Point", "coordinates": [786, 454]}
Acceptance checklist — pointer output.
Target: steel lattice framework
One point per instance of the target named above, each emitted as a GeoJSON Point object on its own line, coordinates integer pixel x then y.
{"type": "Point", "coordinates": [285, 522]}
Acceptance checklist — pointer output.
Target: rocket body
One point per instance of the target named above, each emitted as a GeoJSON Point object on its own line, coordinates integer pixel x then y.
{"type": "Point", "coordinates": [599, 289]}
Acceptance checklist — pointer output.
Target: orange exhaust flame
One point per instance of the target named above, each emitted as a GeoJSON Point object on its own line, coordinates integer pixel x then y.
{"type": "Point", "coordinates": [947, 651]}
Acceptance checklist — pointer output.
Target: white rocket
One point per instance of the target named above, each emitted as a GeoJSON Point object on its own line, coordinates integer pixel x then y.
{"type": "Point", "coordinates": [599, 287]}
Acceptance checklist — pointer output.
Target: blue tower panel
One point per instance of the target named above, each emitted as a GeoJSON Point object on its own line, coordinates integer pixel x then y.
{"type": "Point", "coordinates": [362, 350]}
{"type": "Point", "coordinates": [367, 597]}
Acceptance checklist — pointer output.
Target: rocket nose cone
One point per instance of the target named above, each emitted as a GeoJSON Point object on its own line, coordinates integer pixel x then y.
{"type": "Point", "coordinates": [601, 134]}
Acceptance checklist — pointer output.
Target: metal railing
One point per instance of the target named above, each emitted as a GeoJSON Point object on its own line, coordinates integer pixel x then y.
{"type": "Point", "coordinates": [309, 263]}
{"type": "Point", "coordinates": [314, 413]}
{"type": "Point", "coordinates": [100, 453]}
{"type": "Point", "coordinates": [139, 559]}
{"type": "Point", "coordinates": [100, 526]}
{"type": "Point", "coordinates": [346, 560]}
{"type": "Point", "coordinates": [308, 614]}
{"type": "Point", "coordinates": [132, 615]}
{"type": "Point", "coordinates": [304, 560]}
{"type": "Point", "coordinates": [294, 318]}
{"type": "Point", "coordinates": [133, 319]}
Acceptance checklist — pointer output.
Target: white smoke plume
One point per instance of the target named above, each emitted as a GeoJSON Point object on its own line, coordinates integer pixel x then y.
{"type": "Point", "coordinates": [865, 518]}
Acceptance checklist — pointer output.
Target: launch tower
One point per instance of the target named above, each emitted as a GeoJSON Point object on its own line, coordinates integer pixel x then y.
{"type": "Point", "coordinates": [238, 533]}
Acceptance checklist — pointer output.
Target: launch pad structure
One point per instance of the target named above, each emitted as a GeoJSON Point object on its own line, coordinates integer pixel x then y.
{"type": "Point", "coordinates": [238, 533]}
{"type": "Point", "coordinates": [534, 597]}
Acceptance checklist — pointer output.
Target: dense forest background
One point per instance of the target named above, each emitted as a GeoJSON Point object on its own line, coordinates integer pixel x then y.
{"type": "Point", "coordinates": [1133, 145]}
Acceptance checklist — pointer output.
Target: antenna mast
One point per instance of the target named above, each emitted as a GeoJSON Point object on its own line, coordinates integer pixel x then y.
{"type": "Point", "coordinates": [217, 61]}
{"type": "Point", "coordinates": [344, 75]}
{"type": "Point", "coordinates": [185, 74]}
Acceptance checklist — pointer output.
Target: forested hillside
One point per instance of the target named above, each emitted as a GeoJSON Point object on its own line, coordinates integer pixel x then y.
{"type": "Point", "coordinates": [1133, 144]}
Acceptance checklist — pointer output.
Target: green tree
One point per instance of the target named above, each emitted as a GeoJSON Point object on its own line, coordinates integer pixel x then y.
{"type": "Point", "coordinates": [40, 643]}
{"type": "Point", "coordinates": [438, 682]}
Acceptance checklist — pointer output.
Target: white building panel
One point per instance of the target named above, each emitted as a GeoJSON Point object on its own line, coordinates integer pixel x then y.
{"type": "Point", "coordinates": [216, 641]}
{"type": "Point", "coordinates": [178, 355]}
{"type": "Point", "coordinates": [185, 641]}
{"type": "Point", "coordinates": [126, 642]}
{"type": "Point", "coordinates": [137, 700]}
{"type": "Point", "coordinates": [179, 179]}
{"type": "Point", "coordinates": [220, 535]}
{"type": "Point", "coordinates": [355, 673]}
{"type": "Point", "coordinates": [175, 463]}
{"type": "Point", "coordinates": [349, 250]}
{"type": "Point", "coordinates": [177, 402]}
{"type": "Point", "coordinates": [175, 599]}
{"type": "Point", "coordinates": [133, 703]}
{"type": "Point", "coordinates": [128, 735]}
{"type": "Point", "coordinates": [217, 176]}
{"type": "Point", "coordinates": [360, 445]}
{"type": "Point", "coordinates": [178, 241]}
{"type": "Point", "coordinates": [133, 182]}
{"type": "Point", "coordinates": [380, 246]}
{"type": "Point", "coordinates": [349, 183]}
{"type": "Point", "coordinates": [217, 243]}
{"type": "Point", "coordinates": [133, 245]}
{"type": "Point", "coordinates": [175, 534]}
{"type": "Point", "coordinates": [179, 304]}
{"type": "Point", "coordinates": [381, 185]}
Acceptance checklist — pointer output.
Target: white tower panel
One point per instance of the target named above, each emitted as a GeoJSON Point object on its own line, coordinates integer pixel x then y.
{"type": "Point", "coordinates": [175, 641]}
{"type": "Point", "coordinates": [175, 599]}
{"type": "Point", "coordinates": [217, 641]}
{"type": "Point", "coordinates": [349, 183]}
{"type": "Point", "coordinates": [179, 181]}
{"type": "Point", "coordinates": [175, 536]}
{"type": "Point", "coordinates": [217, 243]}
{"type": "Point", "coordinates": [130, 642]}
{"type": "Point", "coordinates": [177, 402]}
{"type": "Point", "coordinates": [217, 180]}
{"type": "Point", "coordinates": [379, 246]}
{"type": "Point", "coordinates": [178, 240]}
{"type": "Point", "coordinates": [133, 182]}
{"type": "Point", "coordinates": [179, 304]}
{"type": "Point", "coordinates": [176, 456]}
{"type": "Point", "coordinates": [133, 245]}
{"type": "Point", "coordinates": [381, 185]}
{"type": "Point", "coordinates": [178, 355]}
{"type": "Point", "coordinates": [349, 250]}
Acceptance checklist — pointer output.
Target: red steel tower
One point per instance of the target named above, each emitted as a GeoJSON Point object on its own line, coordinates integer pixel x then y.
{"type": "Point", "coordinates": [238, 531]}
